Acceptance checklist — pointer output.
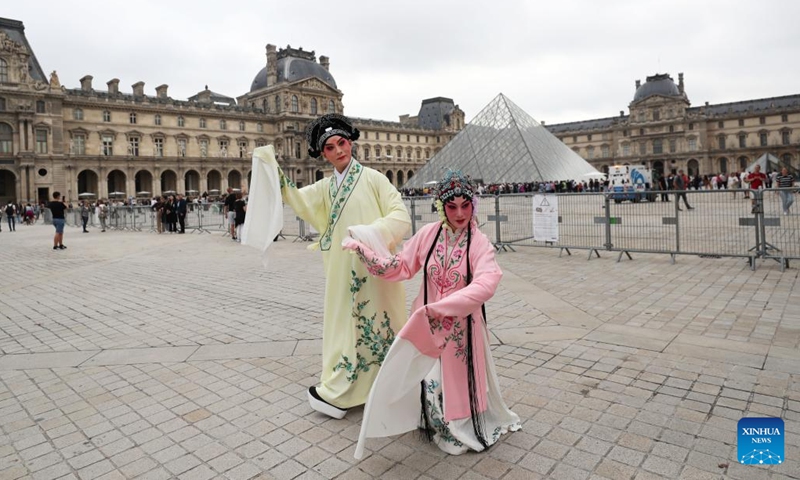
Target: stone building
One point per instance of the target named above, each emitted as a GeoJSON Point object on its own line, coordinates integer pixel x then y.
{"type": "Point", "coordinates": [664, 132]}
{"type": "Point", "coordinates": [113, 142]}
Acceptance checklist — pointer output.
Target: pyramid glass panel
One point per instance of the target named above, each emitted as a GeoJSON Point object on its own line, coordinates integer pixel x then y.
{"type": "Point", "coordinates": [504, 144]}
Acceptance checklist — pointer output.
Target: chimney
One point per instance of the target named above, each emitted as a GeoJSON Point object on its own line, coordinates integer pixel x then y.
{"type": "Point", "coordinates": [638, 84]}
{"type": "Point", "coordinates": [138, 89]}
{"type": "Point", "coordinates": [113, 86]}
{"type": "Point", "coordinates": [161, 91]}
{"type": "Point", "coordinates": [86, 83]}
{"type": "Point", "coordinates": [680, 82]}
{"type": "Point", "coordinates": [622, 113]}
{"type": "Point", "coordinates": [272, 65]}
{"type": "Point", "coordinates": [325, 62]}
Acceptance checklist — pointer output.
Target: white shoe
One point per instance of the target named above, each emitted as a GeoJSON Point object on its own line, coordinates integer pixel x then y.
{"type": "Point", "coordinates": [320, 405]}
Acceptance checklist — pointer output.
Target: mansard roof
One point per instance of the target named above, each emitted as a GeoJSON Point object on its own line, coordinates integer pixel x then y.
{"type": "Point", "coordinates": [15, 31]}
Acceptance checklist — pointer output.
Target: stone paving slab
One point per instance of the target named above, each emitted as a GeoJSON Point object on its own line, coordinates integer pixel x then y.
{"type": "Point", "coordinates": [135, 355]}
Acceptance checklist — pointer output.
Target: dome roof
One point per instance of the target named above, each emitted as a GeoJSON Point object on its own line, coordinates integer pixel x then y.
{"type": "Point", "coordinates": [291, 69]}
{"type": "Point", "coordinates": [657, 85]}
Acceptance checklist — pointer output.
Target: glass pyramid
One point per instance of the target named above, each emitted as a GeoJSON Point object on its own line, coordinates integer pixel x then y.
{"type": "Point", "coordinates": [504, 144]}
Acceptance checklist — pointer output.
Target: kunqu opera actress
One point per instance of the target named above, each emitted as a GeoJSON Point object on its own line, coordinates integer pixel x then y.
{"type": "Point", "coordinates": [439, 375]}
{"type": "Point", "coordinates": [362, 313]}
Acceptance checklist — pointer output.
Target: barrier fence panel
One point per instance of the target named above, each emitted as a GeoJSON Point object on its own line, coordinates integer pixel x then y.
{"type": "Point", "coordinates": [781, 232]}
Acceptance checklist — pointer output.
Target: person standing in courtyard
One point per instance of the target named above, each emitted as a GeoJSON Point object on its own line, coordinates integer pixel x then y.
{"type": "Point", "coordinates": [756, 180]}
{"type": "Point", "coordinates": [84, 215]}
{"type": "Point", "coordinates": [11, 212]}
{"type": "Point", "coordinates": [180, 210]}
{"type": "Point", "coordinates": [680, 190]}
{"type": "Point", "coordinates": [230, 212]}
{"type": "Point", "coordinates": [441, 362]}
{"type": "Point", "coordinates": [361, 313]}
{"type": "Point", "coordinates": [57, 208]}
{"type": "Point", "coordinates": [784, 180]}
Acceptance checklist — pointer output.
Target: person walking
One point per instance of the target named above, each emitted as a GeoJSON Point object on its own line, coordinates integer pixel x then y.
{"type": "Point", "coordinates": [102, 214]}
{"type": "Point", "coordinates": [11, 216]}
{"type": "Point", "coordinates": [756, 180]}
{"type": "Point", "coordinates": [784, 180]}
{"type": "Point", "coordinates": [57, 208]}
{"type": "Point", "coordinates": [84, 215]}
{"type": "Point", "coordinates": [680, 190]}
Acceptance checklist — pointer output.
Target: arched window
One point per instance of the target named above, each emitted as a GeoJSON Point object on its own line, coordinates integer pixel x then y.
{"type": "Point", "coordinates": [313, 106]}
{"type": "Point", "coordinates": [277, 103]}
{"type": "Point", "coordinates": [181, 121]}
{"type": "Point", "coordinates": [6, 137]}
{"type": "Point", "coordinates": [3, 71]}
{"type": "Point", "coordinates": [331, 107]}
{"type": "Point", "coordinates": [295, 104]}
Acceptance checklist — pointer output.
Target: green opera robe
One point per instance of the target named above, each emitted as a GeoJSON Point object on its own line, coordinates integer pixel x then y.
{"type": "Point", "coordinates": [362, 313]}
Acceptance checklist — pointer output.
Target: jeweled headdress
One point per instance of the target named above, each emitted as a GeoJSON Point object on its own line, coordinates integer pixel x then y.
{"type": "Point", "coordinates": [454, 184]}
{"type": "Point", "coordinates": [325, 127]}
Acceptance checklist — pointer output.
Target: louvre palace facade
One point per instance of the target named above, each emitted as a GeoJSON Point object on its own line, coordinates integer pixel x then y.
{"type": "Point", "coordinates": [664, 132]}
{"type": "Point", "coordinates": [107, 140]}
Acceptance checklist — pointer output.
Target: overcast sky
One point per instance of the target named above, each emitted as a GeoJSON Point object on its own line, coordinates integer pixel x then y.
{"type": "Point", "coordinates": [559, 61]}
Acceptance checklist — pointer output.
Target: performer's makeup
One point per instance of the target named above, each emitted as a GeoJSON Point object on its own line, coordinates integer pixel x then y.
{"type": "Point", "coordinates": [458, 212]}
{"type": "Point", "coordinates": [338, 150]}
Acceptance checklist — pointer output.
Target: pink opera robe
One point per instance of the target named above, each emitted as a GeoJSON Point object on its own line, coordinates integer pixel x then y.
{"type": "Point", "coordinates": [431, 345]}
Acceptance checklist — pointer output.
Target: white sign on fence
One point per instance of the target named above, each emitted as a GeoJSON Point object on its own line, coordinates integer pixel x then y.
{"type": "Point", "coordinates": [545, 218]}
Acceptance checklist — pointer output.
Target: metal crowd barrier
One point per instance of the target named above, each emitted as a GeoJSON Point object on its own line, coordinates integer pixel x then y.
{"type": "Point", "coordinates": [720, 223]}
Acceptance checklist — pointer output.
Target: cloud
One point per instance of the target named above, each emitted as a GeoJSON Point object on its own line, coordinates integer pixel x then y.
{"type": "Point", "coordinates": [563, 61]}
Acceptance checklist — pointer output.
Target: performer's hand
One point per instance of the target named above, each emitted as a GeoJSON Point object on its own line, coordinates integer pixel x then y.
{"type": "Point", "coordinates": [349, 243]}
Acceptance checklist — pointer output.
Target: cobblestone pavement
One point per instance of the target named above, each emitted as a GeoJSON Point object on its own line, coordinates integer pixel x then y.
{"type": "Point", "coordinates": [134, 355]}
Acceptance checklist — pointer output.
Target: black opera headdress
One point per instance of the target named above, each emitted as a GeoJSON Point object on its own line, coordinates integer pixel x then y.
{"type": "Point", "coordinates": [325, 127]}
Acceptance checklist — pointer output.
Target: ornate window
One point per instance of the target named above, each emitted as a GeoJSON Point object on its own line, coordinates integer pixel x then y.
{"type": "Point", "coordinates": [78, 146]}
{"type": "Point", "coordinates": [331, 107]}
{"type": "Point", "coordinates": [590, 152]}
{"type": "Point", "coordinates": [626, 149]}
{"type": "Point", "coordinates": [6, 138]}
{"type": "Point", "coordinates": [656, 115]}
{"type": "Point", "coordinates": [157, 119]}
{"type": "Point", "coordinates": [721, 142]}
{"type": "Point", "coordinates": [202, 123]}
{"type": "Point", "coordinates": [658, 146]}
{"type": "Point", "coordinates": [742, 140]}
{"type": "Point", "coordinates": [133, 146]}
{"type": "Point", "coordinates": [223, 148]}
{"type": "Point", "coordinates": [223, 125]}
{"type": "Point", "coordinates": [41, 141]}
{"type": "Point", "coordinates": [132, 118]}
{"type": "Point", "coordinates": [158, 146]}
{"type": "Point", "coordinates": [181, 147]}
{"type": "Point", "coordinates": [763, 138]}
{"type": "Point", "coordinates": [77, 114]}
{"type": "Point", "coordinates": [295, 105]}
{"type": "Point", "coordinates": [3, 71]}
{"type": "Point", "coordinates": [604, 151]}
{"type": "Point", "coordinates": [366, 152]}
{"type": "Point", "coordinates": [181, 121]}
{"type": "Point", "coordinates": [242, 148]}
{"type": "Point", "coordinates": [673, 145]}
{"type": "Point", "coordinates": [241, 126]}
{"type": "Point", "coordinates": [785, 137]}
{"type": "Point", "coordinates": [692, 144]}
{"type": "Point", "coordinates": [642, 148]}
{"type": "Point", "coordinates": [313, 106]}
{"type": "Point", "coordinates": [260, 127]}
{"type": "Point", "coordinates": [41, 107]}
{"type": "Point", "coordinates": [107, 148]}
{"type": "Point", "coordinates": [203, 142]}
